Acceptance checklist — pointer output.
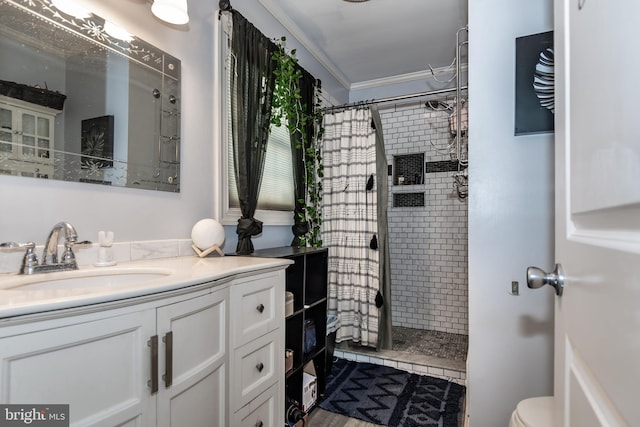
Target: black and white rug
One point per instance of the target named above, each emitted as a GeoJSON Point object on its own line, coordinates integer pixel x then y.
{"type": "Point", "coordinates": [391, 397]}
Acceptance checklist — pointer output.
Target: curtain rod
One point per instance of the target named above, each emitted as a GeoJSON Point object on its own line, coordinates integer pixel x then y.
{"type": "Point", "coordinates": [391, 99]}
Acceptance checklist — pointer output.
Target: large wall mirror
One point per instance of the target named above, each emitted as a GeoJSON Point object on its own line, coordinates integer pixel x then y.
{"type": "Point", "coordinates": [83, 100]}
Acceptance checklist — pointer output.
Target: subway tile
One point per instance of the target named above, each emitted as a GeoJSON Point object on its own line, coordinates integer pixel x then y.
{"type": "Point", "coordinates": [362, 358]}
{"type": "Point", "coordinates": [441, 221]}
{"type": "Point", "coordinates": [376, 360]}
{"type": "Point", "coordinates": [435, 371]}
{"type": "Point", "coordinates": [349, 356]}
{"type": "Point", "coordinates": [405, 366]}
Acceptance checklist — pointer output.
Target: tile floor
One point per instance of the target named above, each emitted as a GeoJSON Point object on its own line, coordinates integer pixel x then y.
{"type": "Point", "coordinates": [438, 354]}
{"type": "Point", "coordinates": [430, 343]}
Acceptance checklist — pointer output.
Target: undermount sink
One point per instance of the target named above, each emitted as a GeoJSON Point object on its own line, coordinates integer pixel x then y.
{"type": "Point", "coordinates": [85, 278]}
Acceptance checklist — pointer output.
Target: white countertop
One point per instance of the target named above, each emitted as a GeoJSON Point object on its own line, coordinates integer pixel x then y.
{"type": "Point", "coordinates": [185, 271]}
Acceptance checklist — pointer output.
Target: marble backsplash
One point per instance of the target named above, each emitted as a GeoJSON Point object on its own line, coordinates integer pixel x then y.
{"type": "Point", "coordinates": [87, 255]}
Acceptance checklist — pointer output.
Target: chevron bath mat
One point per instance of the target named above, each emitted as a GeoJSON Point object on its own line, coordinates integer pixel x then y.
{"type": "Point", "coordinates": [391, 397]}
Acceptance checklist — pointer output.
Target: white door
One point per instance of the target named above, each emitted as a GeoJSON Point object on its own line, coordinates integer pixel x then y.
{"type": "Point", "coordinates": [597, 336]}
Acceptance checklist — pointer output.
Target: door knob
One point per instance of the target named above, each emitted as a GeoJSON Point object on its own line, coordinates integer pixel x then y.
{"type": "Point", "coordinates": [536, 278]}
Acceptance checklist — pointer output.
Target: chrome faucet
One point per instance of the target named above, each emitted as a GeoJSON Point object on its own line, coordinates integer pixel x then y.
{"type": "Point", "coordinates": [49, 262]}
{"type": "Point", "coordinates": [50, 253]}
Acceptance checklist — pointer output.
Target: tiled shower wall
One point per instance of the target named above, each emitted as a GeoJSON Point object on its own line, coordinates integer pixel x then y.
{"type": "Point", "coordinates": [428, 244]}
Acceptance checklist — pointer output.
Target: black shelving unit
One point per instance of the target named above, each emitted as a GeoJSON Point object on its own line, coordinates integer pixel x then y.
{"type": "Point", "coordinates": [306, 278]}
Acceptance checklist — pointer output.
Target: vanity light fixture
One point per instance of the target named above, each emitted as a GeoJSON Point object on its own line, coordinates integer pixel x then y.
{"type": "Point", "coordinates": [117, 32]}
{"type": "Point", "coordinates": [71, 8]}
{"type": "Point", "coordinates": [171, 11]}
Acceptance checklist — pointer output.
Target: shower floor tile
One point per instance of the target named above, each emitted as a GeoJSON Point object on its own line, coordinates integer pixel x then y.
{"type": "Point", "coordinates": [430, 343]}
{"type": "Point", "coordinates": [438, 354]}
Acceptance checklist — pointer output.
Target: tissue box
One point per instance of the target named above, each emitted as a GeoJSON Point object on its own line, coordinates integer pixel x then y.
{"type": "Point", "coordinates": [309, 391]}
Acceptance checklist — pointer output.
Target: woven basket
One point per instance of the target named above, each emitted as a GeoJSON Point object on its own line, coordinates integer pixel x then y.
{"type": "Point", "coordinates": [34, 95]}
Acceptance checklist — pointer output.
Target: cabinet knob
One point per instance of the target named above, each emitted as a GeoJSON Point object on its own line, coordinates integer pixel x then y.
{"type": "Point", "coordinates": [260, 367]}
{"type": "Point", "coordinates": [259, 424]}
{"type": "Point", "coordinates": [260, 308]}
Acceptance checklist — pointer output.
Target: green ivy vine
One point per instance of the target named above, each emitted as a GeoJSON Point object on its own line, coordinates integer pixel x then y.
{"type": "Point", "coordinates": [287, 105]}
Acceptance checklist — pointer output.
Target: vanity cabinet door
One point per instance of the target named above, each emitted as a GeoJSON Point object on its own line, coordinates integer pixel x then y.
{"type": "Point", "coordinates": [100, 368]}
{"type": "Point", "coordinates": [192, 335]}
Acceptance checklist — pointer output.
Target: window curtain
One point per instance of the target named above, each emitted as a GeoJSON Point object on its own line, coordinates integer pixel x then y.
{"type": "Point", "coordinates": [350, 223]}
{"type": "Point", "coordinates": [307, 84]}
{"type": "Point", "coordinates": [252, 84]}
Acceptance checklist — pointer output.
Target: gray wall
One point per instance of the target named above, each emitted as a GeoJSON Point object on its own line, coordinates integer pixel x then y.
{"type": "Point", "coordinates": [510, 221]}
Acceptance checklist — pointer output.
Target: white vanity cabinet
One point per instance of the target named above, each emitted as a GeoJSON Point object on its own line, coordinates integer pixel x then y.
{"type": "Point", "coordinates": [157, 360]}
{"type": "Point", "coordinates": [26, 137]}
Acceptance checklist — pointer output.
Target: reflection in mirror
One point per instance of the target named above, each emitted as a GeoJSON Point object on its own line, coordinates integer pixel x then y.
{"type": "Point", "coordinates": [83, 100]}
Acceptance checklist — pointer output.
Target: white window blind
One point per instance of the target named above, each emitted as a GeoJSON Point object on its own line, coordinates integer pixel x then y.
{"type": "Point", "coordinates": [276, 192]}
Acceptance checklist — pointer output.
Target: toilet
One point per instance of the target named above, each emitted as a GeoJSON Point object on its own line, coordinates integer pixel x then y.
{"type": "Point", "coordinates": [534, 412]}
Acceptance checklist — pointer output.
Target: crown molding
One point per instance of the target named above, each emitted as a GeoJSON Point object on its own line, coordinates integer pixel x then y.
{"type": "Point", "coordinates": [408, 77]}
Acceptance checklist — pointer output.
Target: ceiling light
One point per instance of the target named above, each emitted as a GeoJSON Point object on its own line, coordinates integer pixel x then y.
{"type": "Point", "coordinates": [71, 8]}
{"type": "Point", "coordinates": [355, 1]}
{"type": "Point", "coordinates": [171, 11]}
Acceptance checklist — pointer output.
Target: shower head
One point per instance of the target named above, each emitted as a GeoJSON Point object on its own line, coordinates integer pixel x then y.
{"type": "Point", "coordinates": [436, 105]}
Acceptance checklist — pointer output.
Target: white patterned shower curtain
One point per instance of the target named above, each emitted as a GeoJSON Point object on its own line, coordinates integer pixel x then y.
{"type": "Point", "coordinates": [350, 223]}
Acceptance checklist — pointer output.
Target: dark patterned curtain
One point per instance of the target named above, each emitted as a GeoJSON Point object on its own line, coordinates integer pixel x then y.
{"type": "Point", "coordinates": [307, 84]}
{"type": "Point", "coordinates": [252, 83]}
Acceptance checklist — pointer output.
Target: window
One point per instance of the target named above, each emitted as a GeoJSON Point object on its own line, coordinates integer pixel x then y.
{"type": "Point", "coordinates": [276, 199]}
{"type": "Point", "coordinates": [276, 192]}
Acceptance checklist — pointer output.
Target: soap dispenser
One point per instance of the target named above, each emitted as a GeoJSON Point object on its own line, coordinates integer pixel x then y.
{"type": "Point", "coordinates": [105, 251]}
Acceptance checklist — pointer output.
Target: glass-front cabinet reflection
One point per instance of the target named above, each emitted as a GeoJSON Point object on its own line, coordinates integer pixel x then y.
{"type": "Point", "coordinates": [26, 137]}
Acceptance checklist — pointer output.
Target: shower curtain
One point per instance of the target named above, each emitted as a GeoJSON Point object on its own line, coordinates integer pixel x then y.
{"type": "Point", "coordinates": [385, 338]}
{"type": "Point", "coordinates": [350, 223]}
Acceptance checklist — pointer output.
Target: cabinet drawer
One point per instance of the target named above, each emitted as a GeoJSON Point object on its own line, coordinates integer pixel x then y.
{"type": "Point", "coordinates": [255, 306]}
{"type": "Point", "coordinates": [255, 367]}
{"type": "Point", "coordinates": [264, 411]}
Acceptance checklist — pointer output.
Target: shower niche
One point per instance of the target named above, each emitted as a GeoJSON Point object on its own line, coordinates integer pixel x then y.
{"type": "Point", "coordinates": [408, 169]}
